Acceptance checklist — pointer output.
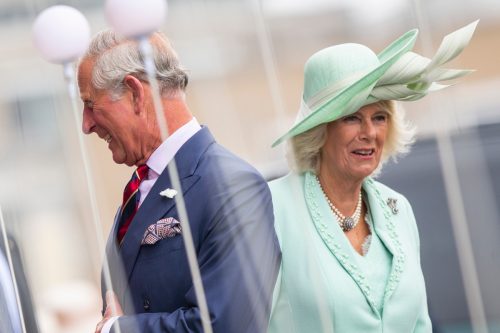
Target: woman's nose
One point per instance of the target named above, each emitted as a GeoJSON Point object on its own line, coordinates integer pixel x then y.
{"type": "Point", "coordinates": [368, 130]}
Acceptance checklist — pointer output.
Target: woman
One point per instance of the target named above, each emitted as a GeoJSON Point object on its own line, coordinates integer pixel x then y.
{"type": "Point", "coordinates": [350, 245]}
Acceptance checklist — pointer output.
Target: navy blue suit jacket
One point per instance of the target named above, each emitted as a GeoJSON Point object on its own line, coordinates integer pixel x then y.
{"type": "Point", "coordinates": [231, 217]}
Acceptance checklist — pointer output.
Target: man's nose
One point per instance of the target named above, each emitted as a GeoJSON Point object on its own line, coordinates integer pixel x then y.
{"type": "Point", "coordinates": [88, 122]}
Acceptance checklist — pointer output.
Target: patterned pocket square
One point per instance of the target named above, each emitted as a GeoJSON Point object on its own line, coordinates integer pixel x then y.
{"type": "Point", "coordinates": [164, 228]}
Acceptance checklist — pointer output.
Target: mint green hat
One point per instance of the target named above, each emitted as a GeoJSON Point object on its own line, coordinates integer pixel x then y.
{"type": "Point", "coordinates": [340, 79]}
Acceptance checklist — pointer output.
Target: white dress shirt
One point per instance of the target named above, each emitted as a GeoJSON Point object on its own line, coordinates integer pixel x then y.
{"type": "Point", "coordinates": [157, 162]}
{"type": "Point", "coordinates": [159, 159]}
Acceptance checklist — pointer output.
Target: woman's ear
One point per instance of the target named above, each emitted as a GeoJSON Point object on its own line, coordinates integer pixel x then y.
{"type": "Point", "coordinates": [137, 89]}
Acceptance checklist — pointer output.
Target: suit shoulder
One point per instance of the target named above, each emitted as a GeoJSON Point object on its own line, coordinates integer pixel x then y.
{"type": "Point", "coordinates": [282, 183]}
{"type": "Point", "coordinates": [286, 188]}
{"type": "Point", "coordinates": [385, 190]}
{"type": "Point", "coordinates": [223, 172]}
{"type": "Point", "coordinates": [217, 156]}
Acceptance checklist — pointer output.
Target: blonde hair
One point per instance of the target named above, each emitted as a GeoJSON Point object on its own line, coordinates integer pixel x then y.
{"type": "Point", "coordinates": [304, 150]}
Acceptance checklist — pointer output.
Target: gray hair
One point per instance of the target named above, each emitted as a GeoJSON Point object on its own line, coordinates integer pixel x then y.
{"type": "Point", "coordinates": [304, 150]}
{"type": "Point", "coordinates": [115, 57]}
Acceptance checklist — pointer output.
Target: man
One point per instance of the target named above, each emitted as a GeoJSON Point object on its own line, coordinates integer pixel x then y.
{"type": "Point", "coordinates": [228, 203]}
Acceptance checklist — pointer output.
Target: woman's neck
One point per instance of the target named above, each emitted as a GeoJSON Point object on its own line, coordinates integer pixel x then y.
{"type": "Point", "coordinates": [342, 191]}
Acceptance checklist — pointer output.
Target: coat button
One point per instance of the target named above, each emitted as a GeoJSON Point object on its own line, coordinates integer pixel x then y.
{"type": "Point", "coordinates": [146, 305]}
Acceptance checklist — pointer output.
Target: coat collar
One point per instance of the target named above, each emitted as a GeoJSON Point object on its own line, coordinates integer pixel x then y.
{"type": "Point", "coordinates": [334, 239]}
{"type": "Point", "coordinates": [382, 211]}
{"type": "Point", "coordinates": [156, 206]}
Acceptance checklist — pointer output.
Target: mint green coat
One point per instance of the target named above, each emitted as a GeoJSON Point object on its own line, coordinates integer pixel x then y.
{"type": "Point", "coordinates": [321, 287]}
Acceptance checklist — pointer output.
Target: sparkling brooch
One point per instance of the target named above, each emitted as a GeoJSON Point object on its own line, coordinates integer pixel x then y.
{"type": "Point", "coordinates": [392, 203]}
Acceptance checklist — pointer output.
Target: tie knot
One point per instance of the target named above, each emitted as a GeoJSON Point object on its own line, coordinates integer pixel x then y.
{"type": "Point", "coordinates": [131, 197]}
{"type": "Point", "coordinates": [142, 172]}
{"type": "Point", "coordinates": [133, 185]}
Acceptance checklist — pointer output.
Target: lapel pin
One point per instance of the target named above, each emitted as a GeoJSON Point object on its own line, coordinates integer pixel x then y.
{"type": "Point", "coordinates": [168, 193]}
{"type": "Point", "coordinates": [392, 203]}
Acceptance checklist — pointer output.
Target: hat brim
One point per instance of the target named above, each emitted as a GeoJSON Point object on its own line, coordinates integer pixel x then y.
{"type": "Point", "coordinates": [336, 105]}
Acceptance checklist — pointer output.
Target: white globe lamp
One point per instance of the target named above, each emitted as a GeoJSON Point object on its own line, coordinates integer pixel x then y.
{"type": "Point", "coordinates": [136, 18]}
{"type": "Point", "coordinates": [61, 34]}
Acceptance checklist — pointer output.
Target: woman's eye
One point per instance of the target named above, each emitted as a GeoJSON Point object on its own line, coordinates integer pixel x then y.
{"type": "Point", "coordinates": [380, 118]}
{"type": "Point", "coordinates": [350, 119]}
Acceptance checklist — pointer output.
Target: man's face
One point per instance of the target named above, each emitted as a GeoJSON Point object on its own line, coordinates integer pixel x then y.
{"type": "Point", "coordinates": [118, 122]}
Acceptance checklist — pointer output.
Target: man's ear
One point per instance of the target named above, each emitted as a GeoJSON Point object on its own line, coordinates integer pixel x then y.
{"type": "Point", "coordinates": [137, 89]}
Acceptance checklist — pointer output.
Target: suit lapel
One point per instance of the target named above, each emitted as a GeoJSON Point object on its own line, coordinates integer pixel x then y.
{"type": "Point", "coordinates": [156, 206]}
{"type": "Point", "coordinates": [384, 222]}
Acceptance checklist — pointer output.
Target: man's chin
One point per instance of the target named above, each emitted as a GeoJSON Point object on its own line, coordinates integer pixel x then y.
{"type": "Point", "coordinates": [123, 160]}
{"type": "Point", "coordinates": [119, 159]}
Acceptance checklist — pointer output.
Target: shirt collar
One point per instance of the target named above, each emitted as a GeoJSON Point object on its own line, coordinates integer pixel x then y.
{"type": "Point", "coordinates": [159, 159]}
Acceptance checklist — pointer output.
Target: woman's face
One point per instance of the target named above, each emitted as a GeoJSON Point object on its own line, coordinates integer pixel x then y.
{"type": "Point", "coordinates": [354, 144]}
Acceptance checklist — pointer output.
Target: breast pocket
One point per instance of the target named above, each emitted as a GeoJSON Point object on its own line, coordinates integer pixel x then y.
{"type": "Point", "coordinates": [162, 249]}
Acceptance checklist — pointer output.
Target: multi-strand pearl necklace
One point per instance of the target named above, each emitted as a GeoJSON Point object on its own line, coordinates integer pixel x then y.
{"type": "Point", "coordinates": [347, 223]}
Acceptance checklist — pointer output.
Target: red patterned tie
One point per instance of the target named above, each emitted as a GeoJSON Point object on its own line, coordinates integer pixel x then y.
{"type": "Point", "coordinates": [131, 196]}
